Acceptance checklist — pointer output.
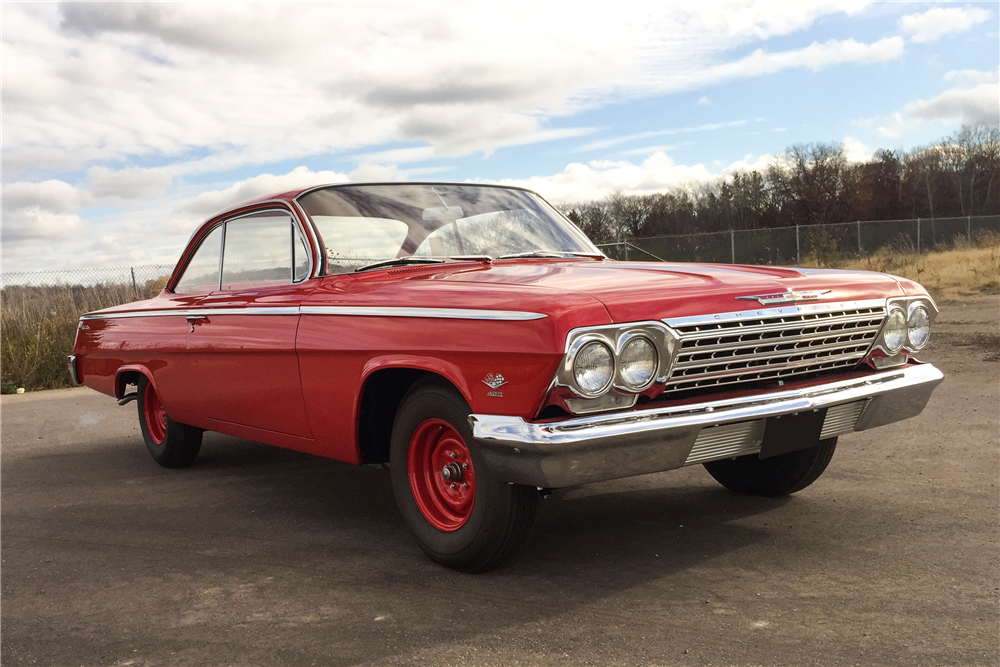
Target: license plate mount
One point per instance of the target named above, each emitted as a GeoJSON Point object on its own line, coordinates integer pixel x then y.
{"type": "Point", "coordinates": [790, 433]}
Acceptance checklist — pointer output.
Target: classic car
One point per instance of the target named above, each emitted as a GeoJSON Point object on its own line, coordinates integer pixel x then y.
{"type": "Point", "coordinates": [474, 342]}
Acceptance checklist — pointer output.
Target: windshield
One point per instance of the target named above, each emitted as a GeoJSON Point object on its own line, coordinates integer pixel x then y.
{"type": "Point", "coordinates": [364, 225]}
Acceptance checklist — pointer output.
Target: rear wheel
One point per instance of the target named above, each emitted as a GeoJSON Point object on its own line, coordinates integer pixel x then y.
{"type": "Point", "coordinates": [459, 513]}
{"type": "Point", "coordinates": [170, 443]}
{"type": "Point", "coordinates": [775, 476]}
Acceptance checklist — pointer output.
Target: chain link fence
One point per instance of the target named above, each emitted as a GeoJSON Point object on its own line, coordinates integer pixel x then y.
{"type": "Point", "coordinates": [822, 244]}
{"type": "Point", "coordinates": [142, 279]}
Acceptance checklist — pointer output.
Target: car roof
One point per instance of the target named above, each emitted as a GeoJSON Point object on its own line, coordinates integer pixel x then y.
{"type": "Point", "coordinates": [291, 195]}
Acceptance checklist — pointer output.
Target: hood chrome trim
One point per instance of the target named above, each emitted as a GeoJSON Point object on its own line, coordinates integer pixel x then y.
{"type": "Point", "coordinates": [779, 298]}
{"type": "Point", "coordinates": [770, 312]}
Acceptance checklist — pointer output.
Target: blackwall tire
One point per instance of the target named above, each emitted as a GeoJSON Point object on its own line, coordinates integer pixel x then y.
{"type": "Point", "coordinates": [473, 528]}
{"type": "Point", "coordinates": [170, 443]}
{"type": "Point", "coordinates": [774, 476]}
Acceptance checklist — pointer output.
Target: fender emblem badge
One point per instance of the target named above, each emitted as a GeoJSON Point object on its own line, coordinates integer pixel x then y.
{"type": "Point", "coordinates": [494, 381]}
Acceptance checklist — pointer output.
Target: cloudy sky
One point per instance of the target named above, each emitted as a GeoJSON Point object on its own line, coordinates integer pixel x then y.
{"type": "Point", "coordinates": [127, 124]}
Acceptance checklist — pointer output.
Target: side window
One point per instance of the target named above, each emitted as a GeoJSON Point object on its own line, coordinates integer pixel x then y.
{"type": "Point", "coordinates": [258, 251]}
{"type": "Point", "coordinates": [202, 272]}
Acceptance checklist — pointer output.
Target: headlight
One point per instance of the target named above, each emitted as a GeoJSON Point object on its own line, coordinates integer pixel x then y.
{"type": "Point", "coordinates": [637, 363]}
{"type": "Point", "coordinates": [894, 334]}
{"type": "Point", "coordinates": [918, 327]}
{"type": "Point", "coordinates": [593, 367]}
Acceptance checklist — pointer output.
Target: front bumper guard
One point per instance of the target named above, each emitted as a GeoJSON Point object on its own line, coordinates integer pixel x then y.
{"type": "Point", "coordinates": [602, 447]}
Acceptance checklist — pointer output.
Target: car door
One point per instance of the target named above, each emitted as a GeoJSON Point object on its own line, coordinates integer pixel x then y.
{"type": "Point", "coordinates": [241, 343]}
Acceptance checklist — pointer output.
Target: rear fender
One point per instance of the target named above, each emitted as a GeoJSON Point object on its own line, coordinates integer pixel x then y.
{"type": "Point", "coordinates": [129, 368]}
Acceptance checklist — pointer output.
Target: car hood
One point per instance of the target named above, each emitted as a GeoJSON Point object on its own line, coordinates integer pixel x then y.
{"type": "Point", "coordinates": [632, 291]}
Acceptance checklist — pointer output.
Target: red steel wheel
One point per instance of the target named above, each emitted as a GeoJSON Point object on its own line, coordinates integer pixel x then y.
{"type": "Point", "coordinates": [442, 477]}
{"type": "Point", "coordinates": [155, 414]}
{"type": "Point", "coordinates": [170, 443]}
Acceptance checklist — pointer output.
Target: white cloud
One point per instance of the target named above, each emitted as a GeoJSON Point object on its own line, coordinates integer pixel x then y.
{"type": "Point", "coordinates": [815, 56]}
{"type": "Point", "coordinates": [855, 150]}
{"type": "Point", "coordinates": [209, 202]}
{"type": "Point", "coordinates": [975, 98]}
{"type": "Point", "coordinates": [88, 83]}
{"type": "Point", "coordinates": [49, 209]}
{"type": "Point", "coordinates": [935, 23]}
{"type": "Point", "coordinates": [602, 144]}
{"type": "Point", "coordinates": [703, 101]}
{"type": "Point", "coordinates": [585, 182]}
{"type": "Point", "coordinates": [130, 183]}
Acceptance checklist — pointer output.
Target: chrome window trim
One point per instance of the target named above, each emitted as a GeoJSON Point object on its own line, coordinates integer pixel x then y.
{"type": "Point", "coordinates": [316, 263]}
{"type": "Point", "coordinates": [296, 226]}
{"type": "Point", "coordinates": [291, 209]}
{"type": "Point", "coordinates": [753, 314]}
{"type": "Point", "coordinates": [433, 313]}
{"type": "Point", "coordinates": [222, 244]}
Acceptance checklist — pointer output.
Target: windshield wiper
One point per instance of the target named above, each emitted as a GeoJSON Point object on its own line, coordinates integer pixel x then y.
{"type": "Point", "coordinates": [561, 254]}
{"type": "Point", "coordinates": [400, 261]}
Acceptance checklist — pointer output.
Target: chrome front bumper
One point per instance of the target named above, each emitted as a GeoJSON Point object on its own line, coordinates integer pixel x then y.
{"type": "Point", "coordinates": [603, 447]}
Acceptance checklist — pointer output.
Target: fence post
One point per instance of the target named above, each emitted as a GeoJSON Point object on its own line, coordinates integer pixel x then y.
{"type": "Point", "coordinates": [732, 245]}
{"type": "Point", "coordinates": [918, 236]}
{"type": "Point", "coordinates": [134, 287]}
{"type": "Point", "coordinates": [798, 251]}
{"type": "Point", "coordinates": [968, 228]}
{"type": "Point", "coordinates": [860, 251]}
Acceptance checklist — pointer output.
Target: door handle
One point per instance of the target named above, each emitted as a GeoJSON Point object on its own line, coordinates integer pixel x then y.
{"type": "Point", "coordinates": [195, 318]}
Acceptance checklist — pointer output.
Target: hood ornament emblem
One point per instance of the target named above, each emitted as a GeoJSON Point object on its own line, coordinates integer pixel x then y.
{"type": "Point", "coordinates": [494, 381]}
{"type": "Point", "coordinates": [780, 298]}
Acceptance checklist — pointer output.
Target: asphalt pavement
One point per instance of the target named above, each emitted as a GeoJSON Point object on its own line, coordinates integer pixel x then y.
{"type": "Point", "coordinates": [262, 556]}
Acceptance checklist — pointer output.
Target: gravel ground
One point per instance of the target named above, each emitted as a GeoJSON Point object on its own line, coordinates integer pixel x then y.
{"type": "Point", "coordinates": [260, 556]}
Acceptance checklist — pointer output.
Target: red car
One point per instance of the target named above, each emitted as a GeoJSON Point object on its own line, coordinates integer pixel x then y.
{"type": "Point", "coordinates": [475, 341]}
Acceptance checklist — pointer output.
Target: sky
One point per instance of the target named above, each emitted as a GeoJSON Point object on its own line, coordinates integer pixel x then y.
{"type": "Point", "coordinates": [126, 125]}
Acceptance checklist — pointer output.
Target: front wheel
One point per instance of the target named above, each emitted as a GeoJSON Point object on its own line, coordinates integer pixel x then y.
{"type": "Point", "coordinates": [459, 513]}
{"type": "Point", "coordinates": [170, 443]}
{"type": "Point", "coordinates": [775, 476]}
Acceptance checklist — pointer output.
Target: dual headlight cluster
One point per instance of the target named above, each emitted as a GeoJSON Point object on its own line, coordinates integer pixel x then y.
{"type": "Point", "coordinates": [907, 325]}
{"type": "Point", "coordinates": [628, 358]}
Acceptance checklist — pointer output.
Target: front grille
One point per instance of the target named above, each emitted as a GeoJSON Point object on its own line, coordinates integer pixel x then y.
{"type": "Point", "coordinates": [771, 347]}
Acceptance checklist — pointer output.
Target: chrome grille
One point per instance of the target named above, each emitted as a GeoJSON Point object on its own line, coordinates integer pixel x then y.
{"type": "Point", "coordinates": [840, 419]}
{"type": "Point", "coordinates": [726, 442]}
{"type": "Point", "coordinates": [773, 346]}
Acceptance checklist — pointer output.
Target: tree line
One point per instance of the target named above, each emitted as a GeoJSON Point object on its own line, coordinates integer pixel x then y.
{"type": "Point", "coordinates": [811, 184]}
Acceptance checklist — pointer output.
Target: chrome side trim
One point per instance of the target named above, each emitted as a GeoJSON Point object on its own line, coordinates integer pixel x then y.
{"type": "Point", "coordinates": [202, 312]}
{"type": "Point", "coordinates": [754, 313]}
{"type": "Point", "coordinates": [436, 313]}
{"type": "Point", "coordinates": [610, 446]}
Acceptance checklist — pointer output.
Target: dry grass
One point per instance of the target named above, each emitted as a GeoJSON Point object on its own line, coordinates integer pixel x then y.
{"type": "Point", "coordinates": [964, 271]}
{"type": "Point", "coordinates": [38, 326]}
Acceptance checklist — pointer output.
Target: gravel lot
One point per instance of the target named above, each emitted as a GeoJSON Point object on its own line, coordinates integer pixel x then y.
{"type": "Point", "coordinates": [260, 556]}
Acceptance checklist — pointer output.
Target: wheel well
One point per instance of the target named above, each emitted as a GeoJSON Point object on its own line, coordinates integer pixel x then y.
{"type": "Point", "coordinates": [124, 379]}
{"type": "Point", "coordinates": [384, 391]}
